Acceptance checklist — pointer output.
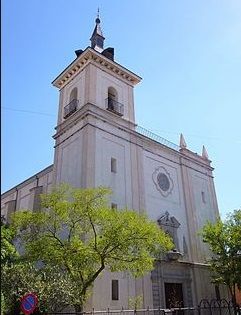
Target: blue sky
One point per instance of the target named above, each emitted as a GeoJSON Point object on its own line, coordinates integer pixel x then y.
{"type": "Point", "coordinates": [187, 52]}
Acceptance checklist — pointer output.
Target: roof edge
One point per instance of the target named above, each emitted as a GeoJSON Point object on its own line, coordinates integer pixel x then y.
{"type": "Point", "coordinates": [86, 56]}
{"type": "Point", "coordinates": [31, 178]}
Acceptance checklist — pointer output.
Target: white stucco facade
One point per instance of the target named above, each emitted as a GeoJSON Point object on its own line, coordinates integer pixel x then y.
{"type": "Point", "coordinates": [170, 183]}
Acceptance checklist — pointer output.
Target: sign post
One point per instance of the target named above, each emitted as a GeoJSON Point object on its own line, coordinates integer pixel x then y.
{"type": "Point", "coordinates": [28, 303]}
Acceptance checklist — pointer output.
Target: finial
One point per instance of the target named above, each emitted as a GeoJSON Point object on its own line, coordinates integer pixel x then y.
{"type": "Point", "coordinates": [97, 20]}
{"type": "Point", "coordinates": [183, 144]}
{"type": "Point", "coordinates": [97, 38]}
{"type": "Point", "coordinates": [205, 153]}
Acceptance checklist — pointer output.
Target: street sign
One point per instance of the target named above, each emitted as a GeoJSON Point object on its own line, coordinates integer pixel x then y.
{"type": "Point", "coordinates": [28, 303]}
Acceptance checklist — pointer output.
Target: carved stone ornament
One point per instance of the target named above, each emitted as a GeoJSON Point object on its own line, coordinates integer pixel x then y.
{"type": "Point", "coordinates": [174, 254]}
{"type": "Point", "coordinates": [167, 220]}
{"type": "Point", "coordinates": [163, 181]}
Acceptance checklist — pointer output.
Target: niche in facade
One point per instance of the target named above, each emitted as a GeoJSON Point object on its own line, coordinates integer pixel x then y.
{"type": "Point", "coordinates": [170, 225]}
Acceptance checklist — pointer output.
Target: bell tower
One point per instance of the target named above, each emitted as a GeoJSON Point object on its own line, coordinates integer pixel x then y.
{"type": "Point", "coordinates": [93, 88]}
{"type": "Point", "coordinates": [95, 78]}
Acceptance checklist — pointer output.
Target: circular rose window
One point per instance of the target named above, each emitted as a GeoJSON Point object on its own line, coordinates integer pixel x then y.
{"type": "Point", "coordinates": [163, 181]}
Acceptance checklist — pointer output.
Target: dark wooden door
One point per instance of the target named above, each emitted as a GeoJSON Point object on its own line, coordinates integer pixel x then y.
{"type": "Point", "coordinates": [173, 295]}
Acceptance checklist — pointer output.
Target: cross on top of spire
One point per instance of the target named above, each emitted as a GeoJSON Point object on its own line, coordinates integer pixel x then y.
{"type": "Point", "coordinates": [98, 16]}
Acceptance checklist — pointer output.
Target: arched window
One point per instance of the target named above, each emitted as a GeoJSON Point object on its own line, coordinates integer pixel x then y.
{"type": "Point", "coordinates": [112, 94]}
{"type": "Point", "coordinates": [72, 105]}
{"type": "Point", "coordinates": [73, 94]}
{"type": "Point", "coordinates": [112, 102]}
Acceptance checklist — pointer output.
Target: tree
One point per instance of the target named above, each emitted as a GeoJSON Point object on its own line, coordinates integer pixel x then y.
{"type": "Point", "coordinates": [19, 276]}
{"type": "Point", "coordinates": [8, 250]}
{"type": "Point", "coordinates": [8, 256]}
{"type": "Point", "coordinates": [49, 284]}
{"type": "Point", "coordinates": [224, 240]}
{"type": "Point", "coordinates": [78, 233]}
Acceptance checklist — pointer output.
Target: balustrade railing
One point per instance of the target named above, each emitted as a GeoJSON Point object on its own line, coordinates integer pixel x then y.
{"type": "Point", "coordinates": [114, 106]}
{"type": "Point", "coordinates": [70, 108]}
{"type": "Point", "coordinates": [157, 138]}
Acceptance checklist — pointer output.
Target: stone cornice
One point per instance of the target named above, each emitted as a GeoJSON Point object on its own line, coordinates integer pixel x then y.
{"type": "Point", "coordinates": [186, 262]}
{"type": "Point", "coordinates": [195, 156]}
{"type": "Point", "coordinates": [127, 126]}
{"type": "Point", "coordinates": [94, 111]}
{"type": "Point", "coordinates": [90, 55]}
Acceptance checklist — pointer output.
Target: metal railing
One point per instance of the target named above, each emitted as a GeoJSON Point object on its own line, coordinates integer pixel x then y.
{"type": "Point", "coordinates": [70, 108]}
{"type": "Point", "coordinates": [205, 307]}
{"type": "Point", "coordinates": [157, 138]}
{"type": "Point", "coordinates": [114, 106]}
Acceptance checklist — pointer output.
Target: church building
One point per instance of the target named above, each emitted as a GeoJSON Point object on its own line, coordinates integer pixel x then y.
{"type": "Point", "coordinates": [98, 142]}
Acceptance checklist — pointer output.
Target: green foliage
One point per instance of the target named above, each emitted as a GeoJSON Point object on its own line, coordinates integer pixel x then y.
{"type": "Point", "coordinates": [136, 302]}
{"type": "Point", "coordinates": [49, 284]}
{"type": "Point", "coordinates": [8, 250]}
{"type": "Point", "coordinates": [9, 255]}
{"type": "Point", "coordinates": [78, 233]}
{"type": "Point", "coordinates": [3, 306]}
{"type": "Point", "coordinates": [17, 279]}
{"type": "Point", "coordinates": [224, 239]}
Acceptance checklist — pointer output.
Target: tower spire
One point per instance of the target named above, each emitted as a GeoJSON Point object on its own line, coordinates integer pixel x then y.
{"type": "Point", "coordinates": [205, 153]}
{"type": "Point", "coordinates": [182, 144]}
{"type": "Point", "coordinates": [97, 38]}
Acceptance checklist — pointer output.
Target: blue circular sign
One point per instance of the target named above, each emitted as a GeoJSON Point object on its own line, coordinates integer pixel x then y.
{"type": "Point", "coordinates": [28, 303]}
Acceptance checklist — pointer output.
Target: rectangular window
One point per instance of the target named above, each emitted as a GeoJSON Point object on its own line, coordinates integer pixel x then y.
{"type": "Point", "coordinates": [203, 197]}
{"type": "Point", "coordinates": [113, 206]}
{"type": "Point", "coordinates": [115, 290]}
{"type": "Point", "coordinates": [113, 165]}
